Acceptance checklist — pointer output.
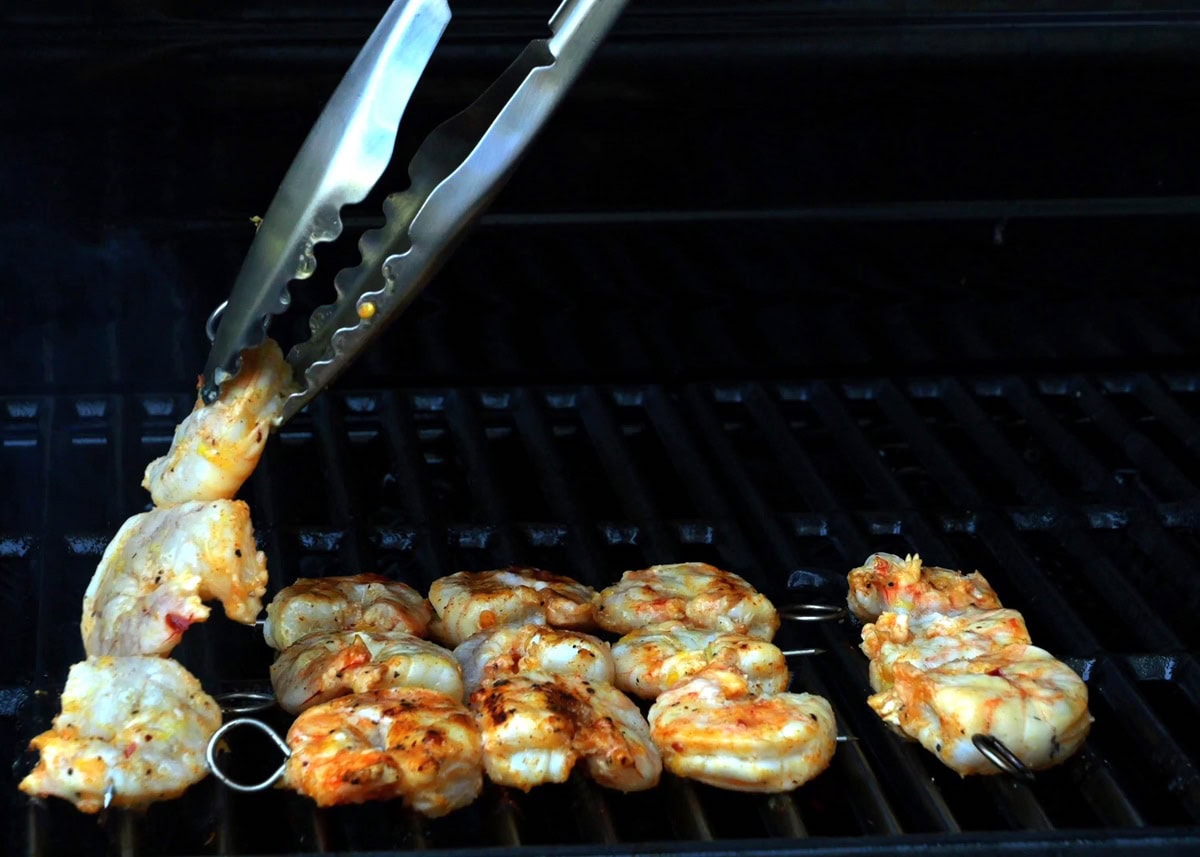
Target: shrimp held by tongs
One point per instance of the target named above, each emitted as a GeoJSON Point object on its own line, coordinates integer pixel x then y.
{"type": "Point", "coordinates": [455, 175]}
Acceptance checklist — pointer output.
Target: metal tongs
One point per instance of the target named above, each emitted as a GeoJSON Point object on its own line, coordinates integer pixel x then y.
{"type": "Point", "coordinates": [455, 175]}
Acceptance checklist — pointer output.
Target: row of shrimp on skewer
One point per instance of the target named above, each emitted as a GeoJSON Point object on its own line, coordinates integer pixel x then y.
{"type": "Point", "coordinates": [134, 724]}
{"type": "Point", "coordinates": [950, 665]}
{"type": "Point", "coordinates": [515, 685]}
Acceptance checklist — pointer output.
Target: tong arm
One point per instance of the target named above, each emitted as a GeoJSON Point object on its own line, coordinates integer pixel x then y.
{"type": "Point", "coordinates": [340, 161]}
{"type": "Point", "coordinates": [455, 175]}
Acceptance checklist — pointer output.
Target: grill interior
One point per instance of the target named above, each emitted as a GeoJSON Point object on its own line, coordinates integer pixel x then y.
{"type": "Point", "coordinates": [782, 285]}
{"type": "Point", "coordinates": [1064, 488]}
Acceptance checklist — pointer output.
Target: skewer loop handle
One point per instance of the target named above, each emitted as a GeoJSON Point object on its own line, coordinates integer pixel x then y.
{"type": "Point", "coordinates": [211, 755]}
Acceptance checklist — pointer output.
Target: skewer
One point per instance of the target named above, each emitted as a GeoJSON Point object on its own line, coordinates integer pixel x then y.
{"type": "Point", "coordinates": [998, 753]}
{"type": "Point", "coordinates": [245, 701]}
{"type": "Point", "coordinates": [812, 612]}
{"type": "Point", "coordinates": [800, 653]}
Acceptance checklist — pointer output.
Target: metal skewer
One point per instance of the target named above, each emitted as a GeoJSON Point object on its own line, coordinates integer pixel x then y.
{"type": "Point", "coordinates": [998, 753]}
{"type": "Point", "coordinates": [245, 701]}
{"type": "Point", "coordinates": [812, 612]}
{"type": "Point", "coordinates": [211, 755]}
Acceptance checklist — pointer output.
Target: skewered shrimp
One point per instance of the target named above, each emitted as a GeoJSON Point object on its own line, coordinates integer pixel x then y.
{"type": "Point", "coordinates": [537, 726]}
{"type": "Point", "coordinates": [692, 592]}
{"type": "Point", "coordinates": [652, 659]}
{"type": "Point", "coordinates": [887, 583]}
{"type": "Point", "coordinates": [361, 602]}
{"type": "Point", "coordinates": [715, 729]}
{"type": "Point", "coordinates": [512, 649]}
{"type": "Point", "coordinates": [161, 566]}
{"type": "Point", "coordinates": [322, 667]}
{"type": "Point", "coordinates": [472, 601]}
{"type": "Point", "coordinates": [137, 726]}
{"type": "Point", "coordinates": [930, 640]}
{"type": "Point", "coordinates": [216, 447]}
{"type": "Point", "coordinates": [1020, 694]}
{"type": "Point", "coordinates": [409, 743]}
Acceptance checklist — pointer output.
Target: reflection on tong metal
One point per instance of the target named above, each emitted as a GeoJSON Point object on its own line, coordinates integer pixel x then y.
{"type": "Point", "coordinates": [456, 173]}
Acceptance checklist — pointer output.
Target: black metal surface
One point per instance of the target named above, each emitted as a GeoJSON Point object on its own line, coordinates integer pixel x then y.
{"type": "Point", "coordinates": [1027, 478]}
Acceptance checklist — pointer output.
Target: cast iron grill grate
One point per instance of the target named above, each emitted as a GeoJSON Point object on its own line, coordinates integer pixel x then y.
{"type": "Point", "coordinates": [1074, 493]}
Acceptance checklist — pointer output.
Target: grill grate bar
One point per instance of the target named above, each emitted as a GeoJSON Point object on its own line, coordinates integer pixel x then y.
{"type": "Point", "coordinates": [1042, 596]}
{"type": "Point", "coordinates": [1140, 449]}
{"type": "Point", "coordinates": [1017, 804]}
{"type": "Point", "coordinates": [127, 834]}
{"type": "Point", "coordinates": [469, 438]}
{"type": "Point", "coordinates": [901, 762]}
{"type": "Point", "coordinates": [1099, 788]}
{"type": "Point", "coordinates": [1123, 597]}
{"type": "Point", "coordinates": [42, 705]}
{"type": "Point", "coordinates": [1143, 623]}
{"type": "Point", "coordinates": [584, 551]}
{"type": "Point", "coordinates": [35, 828]}
{"type": "Point", "coordinates": [404, 460]}
{"type": "Point", "coordinates": [624, 476]}
{"type": "Point", "coordinates": [489, 502]}
{"type": "Point", "coordinates": [582, 543]}
{"type": "Point", "coordinates": [1173, 416]}
{"type": "Point", "coordinates": [873, 807]}
{"type": "Point", "coordinates": [591, 809]}
{"type": "Point", "coordinates": [781, 818]}
{"type": "Point", "coordinates": [432, 554]}
{"type": "Point", "coordinates": [330, 434]}
{"type": "Point", "coordinates": [224, 834]}
{"type": "Point", "coordinates": [689, 817]}
{"type": "Point", "coordinates": [703, 487]}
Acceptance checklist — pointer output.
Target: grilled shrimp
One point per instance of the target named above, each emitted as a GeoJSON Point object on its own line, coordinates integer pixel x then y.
{"type": "Point", "coordinates": [692, 592]}
{"type": "Point", "coordinates": [537, 726]}
{"type": "Point", "coordinates": [1019, 694]}
{"type": "Point", "coordinates": [322, 667]}
{"type": "Point", "coordinates": [161, 566]}
{"type": "Point", "coordinates": [361, 602]}
{"type": "Point", "coordinates": [887, 583]}
{"type": "Point", "coordinates": [512, 649]}
{"type": "Point", "coordinates": [715, 729]}
{"type": "Point", "coordinates": [652, 659]}
{"type": "Point", "coordinates": [216, 447]}
{"type": "Point", "coordinates": [414, 744]}
{"type": "Point", "coordinates": [933, 639]}
{"type": "Point", "coordinates": [472, 601]}
{"type": "Point", "coordinates": [136, 725]}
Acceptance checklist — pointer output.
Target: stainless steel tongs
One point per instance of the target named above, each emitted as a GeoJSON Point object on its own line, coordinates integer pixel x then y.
{"type": "Point", "coordinates": [455, 174]}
